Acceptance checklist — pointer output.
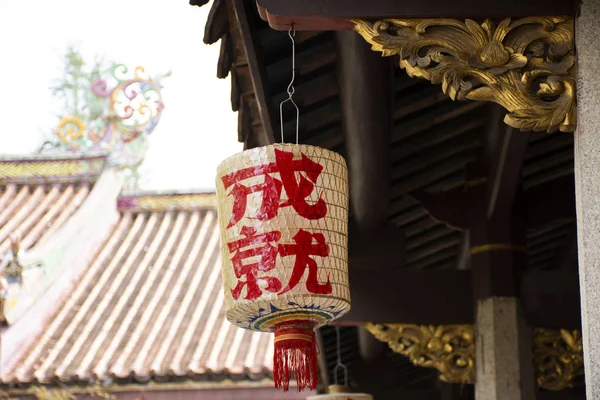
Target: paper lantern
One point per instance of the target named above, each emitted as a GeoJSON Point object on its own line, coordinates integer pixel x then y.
{"type": "Point", "coordinates": [340, 392]}
{"type": "Point", "coordinates": [283, 217]}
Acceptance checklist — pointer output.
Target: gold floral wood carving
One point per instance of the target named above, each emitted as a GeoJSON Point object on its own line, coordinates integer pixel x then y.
{"type": "Point", "coordinates": [448, 348]}
{"type": "Point", "coordinates": [558, 354]}
{"type": "Point", "coordinates": [526, 65]}
{"type": "Point", "coordinates": [558, 357]}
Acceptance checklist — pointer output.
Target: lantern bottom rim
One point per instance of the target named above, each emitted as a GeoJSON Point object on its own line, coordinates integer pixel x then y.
{"type": "Point", "coordinates": [266, 316]}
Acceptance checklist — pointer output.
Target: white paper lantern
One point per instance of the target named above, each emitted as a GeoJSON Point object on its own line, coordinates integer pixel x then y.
{"type": "Point", "coordinates": [283, 217]}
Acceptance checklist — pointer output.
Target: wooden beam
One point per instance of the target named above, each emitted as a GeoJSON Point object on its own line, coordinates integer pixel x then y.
{"type": "Point", "coordinates": [498, 249]}
{"type": "Point", "coordinates": [258, 76]}
{"type": "Point", "coordinates": [450, 207]}
{"type": "Point", "coordinates": [507, 163]}
{"type": "Point", "coordinates": [367, 126]}
{"type": "Point", "coordinates": [333, 14]}
{"type": "Point", "coordinates": [550, 299]}
{"type": "Point", "coordinates": [373, 243]}
{"type": "Point", "coordinates": [409, 296]}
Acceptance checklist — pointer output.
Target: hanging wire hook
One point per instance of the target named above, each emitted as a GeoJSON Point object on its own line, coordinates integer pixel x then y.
{"type": "Point", "coordinates": [291, 89]}
{"type": "Point", "coordinates": [339, 364]}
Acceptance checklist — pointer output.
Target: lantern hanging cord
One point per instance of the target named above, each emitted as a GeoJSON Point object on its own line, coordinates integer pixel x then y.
{"type": "Point", "coordinates": [291, 89]}
{"type": "Point", "coordinates": [339, 364]}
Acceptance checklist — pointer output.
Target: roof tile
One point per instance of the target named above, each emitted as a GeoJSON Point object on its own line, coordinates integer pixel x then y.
{"type": "Point", "coordinates": [150, 305]}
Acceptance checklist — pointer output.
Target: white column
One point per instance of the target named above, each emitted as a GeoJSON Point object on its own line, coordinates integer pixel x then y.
{"type": "Point", "coordinates": [587, 182]}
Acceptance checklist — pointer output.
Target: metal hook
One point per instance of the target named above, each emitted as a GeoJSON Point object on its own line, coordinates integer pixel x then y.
{"type": "Point", "coordinates": [290, 88]}
{"type": "Point", "coordinates": [339, 364]}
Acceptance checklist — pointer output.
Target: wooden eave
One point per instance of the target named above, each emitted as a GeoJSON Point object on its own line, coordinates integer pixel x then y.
{"type": "Point", "coordinates": [334, 14]}
{"type": "Point", "coordinates": [433, 144]}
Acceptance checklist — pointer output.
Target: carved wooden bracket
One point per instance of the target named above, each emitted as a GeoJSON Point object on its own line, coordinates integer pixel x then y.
{"type": "Point", "coordinates": [558, 357]}
{"type": "Point", "coordinates": [448, 348]}
{"type": "Point", "coordinates": [526, 65]}
{"type": "Point", "coordinates": [557, 354]}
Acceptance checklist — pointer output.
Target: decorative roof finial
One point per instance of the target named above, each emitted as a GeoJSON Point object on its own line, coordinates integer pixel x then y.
{"type": "Point", "coordinates": [107, 111]}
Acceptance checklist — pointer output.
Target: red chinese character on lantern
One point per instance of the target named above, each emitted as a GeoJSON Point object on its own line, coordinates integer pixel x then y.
{"type": "Point", "coordinates": [303, 249]}
{"type": "Point", "coordinates": [259, 246]}
{"type": "Point", "coordinates": [297, 190]}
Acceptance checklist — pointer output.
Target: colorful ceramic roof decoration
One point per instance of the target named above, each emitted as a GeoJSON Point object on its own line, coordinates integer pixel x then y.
{"type": "Point", "coordinates": [125, 109]}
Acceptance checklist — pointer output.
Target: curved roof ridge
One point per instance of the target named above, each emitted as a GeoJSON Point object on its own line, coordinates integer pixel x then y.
{"type": "Point", "coordinates": [166, 200]}
{"type": "Point", "coordinates": [51, 168]}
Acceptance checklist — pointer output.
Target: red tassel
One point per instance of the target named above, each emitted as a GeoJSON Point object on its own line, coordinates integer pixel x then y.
{"type": "Point", "coordinates": [295, 354]}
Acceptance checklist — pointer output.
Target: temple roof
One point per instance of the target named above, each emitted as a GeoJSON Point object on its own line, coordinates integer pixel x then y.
{"type": "Point", "coordinates": [40, 194]}
{"type": "Point", "coordinates": [149, 303]}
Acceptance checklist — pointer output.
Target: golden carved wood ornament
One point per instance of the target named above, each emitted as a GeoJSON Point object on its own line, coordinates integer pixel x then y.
{"type": "Point", "coordinates": [448, 348]}
{"type": "Point", "coordinates": [558, 357]}
{"type": "Point", "coordinates": [557, 354]}
{"type": "Point", "coordinates": [526, 65]}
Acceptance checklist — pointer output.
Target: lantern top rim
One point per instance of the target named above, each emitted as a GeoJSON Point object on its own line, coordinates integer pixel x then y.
{"type": "Point", "coordinates": [284, 146]}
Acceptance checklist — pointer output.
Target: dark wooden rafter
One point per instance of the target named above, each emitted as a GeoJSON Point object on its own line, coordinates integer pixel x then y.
{"type": "Point", "coordinates": [499, 171]}
{"type": "Point", "coordinates": [256, 68]}
{"type": "Point", "coordinates": [449, 207]}
{"type": "Point", "coordinates": [334, 14]}
{"type": "Point", "coordinates": [217, 23]}
{"type": "Point", "coordinates": [225, 57]}
{"type": "Point", "coordinates": [234, 23]}
{"type": "Point", "coordinates": [495, 210]}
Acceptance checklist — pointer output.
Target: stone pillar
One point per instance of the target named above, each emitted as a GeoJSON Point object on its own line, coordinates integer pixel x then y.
{"type": "Point", "coordinates": [587, 184]}
{"type": "Point", "coordinates": [503, 351]}
{"type": "Point", "coordinates": [503, 362]}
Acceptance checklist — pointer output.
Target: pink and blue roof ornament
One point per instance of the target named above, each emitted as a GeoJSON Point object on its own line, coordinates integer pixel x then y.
{"type": "Point", "coordinates": [121, 112]}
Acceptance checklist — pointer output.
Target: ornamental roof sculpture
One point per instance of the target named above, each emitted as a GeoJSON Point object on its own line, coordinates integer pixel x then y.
{"type": "Point", "coordinates": [114, 114]}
